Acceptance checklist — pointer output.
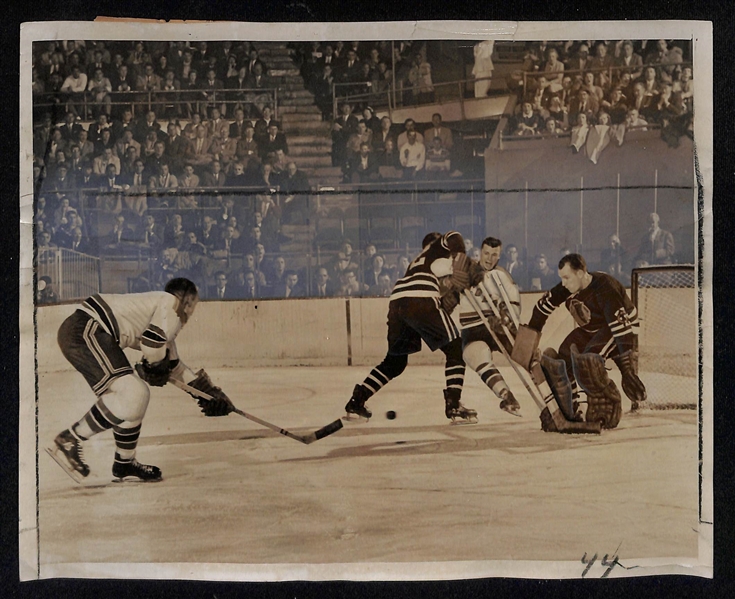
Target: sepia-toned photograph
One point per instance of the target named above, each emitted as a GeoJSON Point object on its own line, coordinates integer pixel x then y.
{"type": "Point", "coordinates": [430, 305]}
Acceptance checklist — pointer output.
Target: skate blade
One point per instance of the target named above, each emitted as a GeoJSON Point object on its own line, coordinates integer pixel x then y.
{"type": "Point", "coordinates": [513, 412]}
{"type": "Point", "coordinates": [73, 474]}
{"type": "Point", "coordinates": [463, 421]}
{"type": "Point", "coordinates": [134, 480]}
{"type": "Point", "coordinates": [355, 418]}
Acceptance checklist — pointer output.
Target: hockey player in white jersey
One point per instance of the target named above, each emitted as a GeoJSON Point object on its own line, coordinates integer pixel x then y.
{"type": "Point", "coordinates": [477, 343]}
{"type": "Point", "coordinates": [93, 339]}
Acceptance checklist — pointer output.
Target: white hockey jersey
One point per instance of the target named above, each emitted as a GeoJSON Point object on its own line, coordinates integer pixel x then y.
{"type": "Point", "coordinates": [144, 321]}
{"type": "Point", "coordinates": [468, 316]}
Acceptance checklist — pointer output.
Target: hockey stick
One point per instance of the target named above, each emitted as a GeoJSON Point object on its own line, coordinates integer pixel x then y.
{"type": "Point", "coordinates": [506, 298]}
{"type": "Point", "coordinates": [325, 431]}
{"type": "Point", "coordinates": [493, 334]}
{"type": "Point", "coordinates": [547, 400]}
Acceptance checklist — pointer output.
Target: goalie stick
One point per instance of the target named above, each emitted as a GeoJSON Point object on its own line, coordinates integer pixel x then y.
{"type": "Point", "coordinates": [546, 400]}
{"type": "Point", "coordinates": [325, 431]}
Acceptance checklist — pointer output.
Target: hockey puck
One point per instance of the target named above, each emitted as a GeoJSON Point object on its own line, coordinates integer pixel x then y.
{"type": "Point", "coordinates": [390, 415]}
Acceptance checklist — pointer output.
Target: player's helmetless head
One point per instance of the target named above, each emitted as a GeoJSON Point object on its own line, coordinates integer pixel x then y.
{"type": "Point", "coordinates": [490, 253]}
{"type": "Point", "coordinates": [573, 272]}
{"type": "Point", "coordinates": [187, 294]}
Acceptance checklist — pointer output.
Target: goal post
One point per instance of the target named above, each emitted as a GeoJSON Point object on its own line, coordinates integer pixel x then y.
{"type": "Point", "coordinates": [666, 300]}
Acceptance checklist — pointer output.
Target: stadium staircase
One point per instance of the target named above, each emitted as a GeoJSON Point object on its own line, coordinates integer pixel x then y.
{"type": "Point", "coordinates": [309, 137]}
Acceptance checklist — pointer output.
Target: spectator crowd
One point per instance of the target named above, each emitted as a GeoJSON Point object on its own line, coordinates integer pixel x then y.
{"type": "Point", "coordinates": [201, 179]}
{"type": "Point", "coordinates": [594, 91]}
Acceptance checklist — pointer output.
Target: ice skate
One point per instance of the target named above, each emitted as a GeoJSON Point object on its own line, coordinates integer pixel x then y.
{"type": "Point", "coordinates": [69, 454]}
{"type": "Point", "coordinates": [135, 472]}
{"type": "Point", "coordinates": [509, 403]}
{"type": "Point", "coordinates": [355, 408]}
{"type": "Point", "coordinates": [455, 411]}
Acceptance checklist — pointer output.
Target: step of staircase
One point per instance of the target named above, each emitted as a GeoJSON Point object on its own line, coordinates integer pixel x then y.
{"type": "Point", "coordinates": [300, 109]}
{"type": "Point", "coordinates": [294, 80]}
{"type": "Point", "coordinates": [303, 101]}
{"type": "Point", "coordinates": [308, 128]}
{"type": "Point", "coordinates": [309, 150]}
{"type": "Point", "coordinates": [272, 49]}
{"type": "Point", "coordinates": [311, 161]}
{"type": "Point", "coordinates": [278, 62]}
{"type": "Point", "coordinates": [288, 72]}
{"type": "Point", "coordinates": [297, 93]}
{"type": "Point", "coordinates": [296, 118]}
{"type": "Point", "coordinates": [310, 140]}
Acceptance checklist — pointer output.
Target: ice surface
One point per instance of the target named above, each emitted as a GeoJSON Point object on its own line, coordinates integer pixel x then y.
{"type": "Point", "coordinates": [413, 489]}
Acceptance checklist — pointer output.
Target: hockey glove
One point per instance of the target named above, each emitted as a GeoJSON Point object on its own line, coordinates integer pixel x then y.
{"type": "Point", "coordinates": [156, 374]}
{"type": "Point", "coordinates": [460, 277]}
{"type": "Point", "coordinates": [219, 405]}
{"type": "Point", "coordinates": [477, 274]}
{"type": "Point", "coordinates": [632, 385]}
{"type": "Point", "coordinates": [449, 301]}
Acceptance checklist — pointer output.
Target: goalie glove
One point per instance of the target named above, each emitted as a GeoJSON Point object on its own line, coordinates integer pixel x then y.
{"type": "Point", "coordinates": [632, 385]}
{"type": "Point", "coordinates": [155, 374]}
{"type": "Point", "coordinates": [219, 405]}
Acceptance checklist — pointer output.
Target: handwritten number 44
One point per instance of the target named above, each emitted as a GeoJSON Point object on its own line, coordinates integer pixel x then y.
{"type": "Point", "coordinates": [605, 563]}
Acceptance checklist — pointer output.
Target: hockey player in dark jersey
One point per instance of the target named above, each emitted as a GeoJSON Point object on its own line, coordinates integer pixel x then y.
{"type": "Point", "coordinates": [420, 307]}
{"type": "Point", "coordinates": [605, 319]}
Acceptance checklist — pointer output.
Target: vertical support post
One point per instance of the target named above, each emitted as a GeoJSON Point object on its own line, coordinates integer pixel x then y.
{"type": "Point", "coordinates": [581, 213]}
{"type": "Point", "coordinates": [472, 212]}
{"type": "Point", "coordinates": [655, 191]}
{"type": "Point", "coordinates": [617, 210]}
{"type": "Point", "coordinates": [393, 69]}
{"type": "Point", "coordinates": [525, 221]}
{"type": "Point", "coordinates": [461, 100]}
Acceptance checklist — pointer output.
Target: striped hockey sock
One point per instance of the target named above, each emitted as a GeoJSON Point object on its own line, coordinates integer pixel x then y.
{"type": "Point", "coordinates": [455, 376]}
{"type": "Point", "coordinates": [491, 376]}
{"type": "Point", "coordinates": [126, 440]}
{"type": "Point", "coordinates": [375, 381]}
{"type": "Point", "coordinates": [97, 420]}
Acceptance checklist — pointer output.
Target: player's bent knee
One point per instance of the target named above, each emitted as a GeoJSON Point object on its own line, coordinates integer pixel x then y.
{"type": "Point", "coordinates": [477, 353]}
{"type": "Point", "coordinates": [127, 398]}
{"type": "Point", "coordinates": [453, 351]}
{"type": "Point", "coordinates": [393, 365]}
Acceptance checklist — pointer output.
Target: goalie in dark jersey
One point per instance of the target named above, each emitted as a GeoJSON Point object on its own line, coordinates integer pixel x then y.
{"type": "Point", "coordinates": [605, 319]}
{"type": "Point", "coordinates": [420, 307]}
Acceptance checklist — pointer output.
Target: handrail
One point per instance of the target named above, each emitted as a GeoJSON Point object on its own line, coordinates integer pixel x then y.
{"type": "Point", "coordinates": [153, 97]}
{"type": "Point", "coordinates": [460, 83]}
{"type": "Point", "coordinates": [563, 134]}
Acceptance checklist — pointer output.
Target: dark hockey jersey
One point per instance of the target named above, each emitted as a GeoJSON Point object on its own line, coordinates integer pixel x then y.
{"type": "Point", "coordinates": [435, 261]}
{"type": "Point", "coordinates": [603, 303]}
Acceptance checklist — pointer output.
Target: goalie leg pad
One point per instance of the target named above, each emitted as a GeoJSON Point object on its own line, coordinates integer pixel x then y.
{"type": "Point", "coordinates": [603, 398]}
{"type": "Point", "coordinates": [555, 371]}
{"type": "Point", "coordinates": [525, 346]}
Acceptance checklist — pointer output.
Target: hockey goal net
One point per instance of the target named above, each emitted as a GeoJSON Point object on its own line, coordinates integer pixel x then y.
{"type": "Point", "coordinates": [666, 299]}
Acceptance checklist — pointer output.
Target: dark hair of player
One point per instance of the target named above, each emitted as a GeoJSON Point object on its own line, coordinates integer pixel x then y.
{"type": "Point", "coordinates": [492, 242]}
{"type": "Point", "coordinates": [575, 261]}
{"type": "Point", "coordinates": [181, 287]}
{"type": "Point", "coordinates": [429, 238]}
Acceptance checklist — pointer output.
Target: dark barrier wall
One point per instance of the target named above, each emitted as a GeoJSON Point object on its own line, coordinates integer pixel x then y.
{"type": "Point", "coordinates": [554, 218]}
